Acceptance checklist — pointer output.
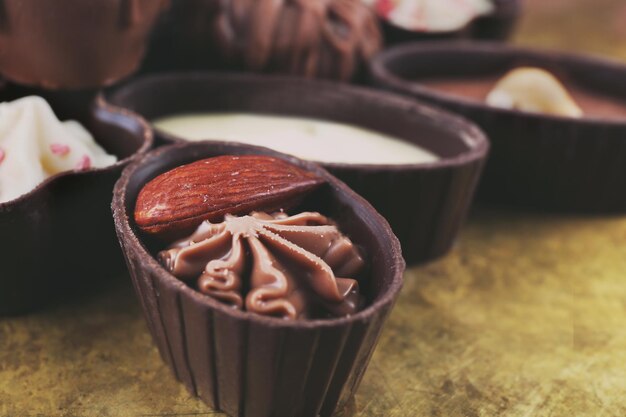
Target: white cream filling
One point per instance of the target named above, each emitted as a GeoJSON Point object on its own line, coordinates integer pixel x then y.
{"type": "Point", "coordinates": [35, 145]}
{"type": "Point", "coordinates": [311, 139]}
{"type": "Point", "coordinates": [432, 15]}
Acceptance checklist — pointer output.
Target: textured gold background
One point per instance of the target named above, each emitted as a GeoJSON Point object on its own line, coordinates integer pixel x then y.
{"type": "Point", "coordinates": [526, 317]}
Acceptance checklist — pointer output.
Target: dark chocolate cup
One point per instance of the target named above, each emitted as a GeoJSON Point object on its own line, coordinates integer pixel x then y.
{"type": "Point", "coordinates": [247, 364]}
{"type": "Point", "coordinates": [497, 26]}
{"type": "Point", "coordinates": [59, 237]}
{"type": "Point", "coordinates": [424, 203]}
{"type": "Point", "coordinates": [74, 43]}
{"type": "Point", "coordinates": [539, 161]}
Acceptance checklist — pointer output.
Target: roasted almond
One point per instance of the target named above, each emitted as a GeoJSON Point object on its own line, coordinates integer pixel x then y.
{"type": "Point", "coordinates": [176, 202]}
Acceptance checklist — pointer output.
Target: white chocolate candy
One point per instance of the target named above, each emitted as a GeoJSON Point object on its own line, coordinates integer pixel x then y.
{"type": "Point", "coordinates": [533, 90]}
{"type": "Point", "coordinates": [431, 15]}
{"type": "Point", "coordinates": [311, 139]}
{"type": "Point", "coordinates": [35, 145]}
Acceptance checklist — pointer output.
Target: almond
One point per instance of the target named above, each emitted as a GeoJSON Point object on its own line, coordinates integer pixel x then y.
{"type": "Point", "coordinates": [176, 202]}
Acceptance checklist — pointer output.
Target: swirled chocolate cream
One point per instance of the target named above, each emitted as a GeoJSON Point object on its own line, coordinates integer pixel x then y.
{"type": "Point", "coordinates": [283, 266]}
{"type": "Point", "coordinates": [35, 145]}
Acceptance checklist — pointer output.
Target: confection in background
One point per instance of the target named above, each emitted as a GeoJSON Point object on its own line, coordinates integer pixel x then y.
{"type": "Point", "coordinates": [520, 314]}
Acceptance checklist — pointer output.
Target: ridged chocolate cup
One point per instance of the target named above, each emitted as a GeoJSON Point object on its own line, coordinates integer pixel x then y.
{"type": "Point", "coordinates": [496, 26]}
{"type": "Point", "coordinates": [540, 161]}
{"type": "Point", "coordinates": [59, 237]}
{"type": "Point", "coordinates": [424, 203]}
{"type": "Point", "coordinates": [74, 43]}
{"type": "Point", "coordinates": [243, 363]}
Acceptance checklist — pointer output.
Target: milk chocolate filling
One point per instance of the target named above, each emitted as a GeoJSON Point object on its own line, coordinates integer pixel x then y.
{"type": "Point", "coordinates": [593, 103]}
{"type": "Point", "coordinates": [277, 265]}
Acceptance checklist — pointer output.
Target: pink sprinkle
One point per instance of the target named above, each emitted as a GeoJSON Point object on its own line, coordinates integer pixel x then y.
{"type": "Point", "coordinates": [384, 7]}
{"type": "Point", "coordinates": [84, 163]}
{"type": "Point", "coordinates": [59, 149]}
{"type": "Point", "coordinates": [2, 155]}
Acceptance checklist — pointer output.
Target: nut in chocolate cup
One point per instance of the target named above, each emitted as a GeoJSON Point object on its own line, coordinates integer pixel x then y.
{"type": "Point", "coordinates": [424, 203]}
{"type": "Point", "coordinates": [74, 43]}
{"type": "Point", "coordinates": [537, 160]}
{"type": "Point", "coordinates": [243, 363]}
{"type": "Point", "coordinates": [59, 237]}
{"type": "Point", "coordinates": [497, 26]}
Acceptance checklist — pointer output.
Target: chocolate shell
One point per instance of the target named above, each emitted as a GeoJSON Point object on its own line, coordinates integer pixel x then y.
{"type": "Point", "coordinates": [498, 26]}
{"type": "Point", "coordinates": [540, 161]}
{"type": "Point", "coordinates": [424, 203]}
{"type": "Point", "coordinates": [243, 363]}
{"type": "Point", "coordinates": [74, 43]}
{"type": "Point", "coordinates": [60, 234]}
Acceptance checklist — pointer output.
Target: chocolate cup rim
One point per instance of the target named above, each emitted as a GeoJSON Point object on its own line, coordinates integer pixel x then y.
{"type": "Point", "coordinates": [123, 226]}
{"type": "Point", "coordinates": [500, 11]}
{"type": "Point", "coordinates": [98, 106]}
{"type": "Point", "coordinates": [474, 138]}
{"type": "Point", "coordinates": [380, 73]}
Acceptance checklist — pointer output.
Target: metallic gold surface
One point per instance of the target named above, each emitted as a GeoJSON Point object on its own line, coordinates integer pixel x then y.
{"type": "Point", "coordinates": [526, 316]}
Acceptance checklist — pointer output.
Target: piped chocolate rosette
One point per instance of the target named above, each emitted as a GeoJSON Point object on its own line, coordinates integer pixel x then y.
{"type": "Point", "coordinates": [289, 266]}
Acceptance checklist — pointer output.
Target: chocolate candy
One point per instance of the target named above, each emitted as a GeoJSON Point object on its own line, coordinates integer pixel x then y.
{"type": "Point", "coordinates": [326, 39]}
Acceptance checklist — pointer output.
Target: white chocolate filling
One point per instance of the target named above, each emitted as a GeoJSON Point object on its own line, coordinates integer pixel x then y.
{"type": "Point", "coordinates": [311, 139]}
{"type": "Point", "coordinates": [35, 145]}
{"type": "Point", "coordinates": [533, 90]}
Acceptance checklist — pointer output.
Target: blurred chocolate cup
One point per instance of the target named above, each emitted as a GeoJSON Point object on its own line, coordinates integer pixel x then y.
{"type": "Point", "coordinates": [538, 160]}
{"type": "Point", "coordinates": [330, 39]}
{"type": "Point", "coordinates": [74, 44]}
{"type": "Point", "coordinates": [425, 203]}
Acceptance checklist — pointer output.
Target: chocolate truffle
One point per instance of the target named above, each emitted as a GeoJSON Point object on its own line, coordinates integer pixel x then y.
{"type": "Point", "coordinates": [325, 39]}
{"type": "Point", "coordinates": [74, 43]}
